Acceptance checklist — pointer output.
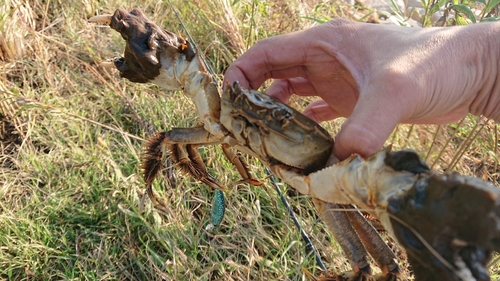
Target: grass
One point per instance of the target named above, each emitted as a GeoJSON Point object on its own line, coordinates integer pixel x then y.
{"type": "Point", "coordinates": [72, 136]}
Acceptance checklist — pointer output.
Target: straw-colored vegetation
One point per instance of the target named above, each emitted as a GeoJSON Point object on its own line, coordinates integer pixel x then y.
{"type": "Point", "coordinates": [71, 141]}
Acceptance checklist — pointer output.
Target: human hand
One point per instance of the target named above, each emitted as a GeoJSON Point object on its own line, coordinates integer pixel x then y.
{"type": "Point", "coordinates": [378, 76]}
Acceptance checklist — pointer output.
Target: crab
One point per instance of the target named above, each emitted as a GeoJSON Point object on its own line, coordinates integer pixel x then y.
{"type": "Point", "coordinates": [397, 187]}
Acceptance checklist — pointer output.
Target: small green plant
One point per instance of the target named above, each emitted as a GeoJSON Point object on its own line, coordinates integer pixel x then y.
{"type": "Point", "coordinates": [457, 12]}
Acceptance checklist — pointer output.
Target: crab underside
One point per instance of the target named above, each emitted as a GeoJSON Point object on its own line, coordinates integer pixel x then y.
{"type": "Point", "coordinates": [448, 223]}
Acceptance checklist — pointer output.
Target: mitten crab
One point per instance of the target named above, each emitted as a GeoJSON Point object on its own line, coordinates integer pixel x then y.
{"type": "Point", "coordinates": [422, 209]}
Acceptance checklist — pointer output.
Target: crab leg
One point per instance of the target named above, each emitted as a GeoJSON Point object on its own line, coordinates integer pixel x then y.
{"type": "Point", "coordinates": [448, 223]}
{"type": "Point", "coordinates": [181, 144]}
{"type": "Point", "coordinates": [356, 236]}
{"type": "Point", "coordinates": [240, 165]}
{"type": "Point", "coordinates": [353, 181]}
{"type": "Point", "coordinates": [374, 244]}
{"type": "Point", "coordinates": [338, 223]}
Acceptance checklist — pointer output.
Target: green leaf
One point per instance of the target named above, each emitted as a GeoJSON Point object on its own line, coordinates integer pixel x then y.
{"type": "Point", "coordinates": [463, 9]}
{"type": "Point", "coordinates": [490, 19]}
{"type": "Point", "coordinates": [437, 6]}
{"type": "Point", "coordinates": [490, 5]}
{"type": "Point", "coordinates": [461, 20]}
{"type": "Point", "coordinates": [320, 21]}
{"type": "Point", "coordinates": [441, 3]}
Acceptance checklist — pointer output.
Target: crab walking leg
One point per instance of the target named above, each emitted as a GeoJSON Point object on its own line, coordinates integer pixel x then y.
{"type": "Point", "coordinates": [356, 236]}
{"type": "Point", "coordinates": [180, 143]}
{"type": "Point", "coordinates": [339, 225]}
{"type": "Point", "coordinates": [240, 165]}
{"type": "Point", "coordinates": [374, 244]}
{"type": "Point", "coordinates": [164, 143]}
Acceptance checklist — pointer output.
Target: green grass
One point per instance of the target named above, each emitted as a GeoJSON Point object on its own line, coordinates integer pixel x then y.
{"type": "Point", "coordinates": [72, 136]}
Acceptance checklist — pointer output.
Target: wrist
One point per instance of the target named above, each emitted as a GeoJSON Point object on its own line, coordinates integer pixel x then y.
{"type": "Point", "coordinates": [487, 68]}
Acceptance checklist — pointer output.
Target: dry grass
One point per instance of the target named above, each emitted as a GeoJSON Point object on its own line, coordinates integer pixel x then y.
{"type": "Point", "coordinates": [71, 137]}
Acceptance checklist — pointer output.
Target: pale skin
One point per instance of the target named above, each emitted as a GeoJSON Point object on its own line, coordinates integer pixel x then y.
{"type": "Point", "coordinates": [378, 76]}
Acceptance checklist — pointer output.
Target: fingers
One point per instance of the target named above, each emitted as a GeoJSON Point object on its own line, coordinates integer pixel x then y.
{"type": "Point", "coordinates": [357, 138]}
{"type": "Point", "coordinates": [281, 56]}
{"type": "Point", "coordinates": [283, 89]}
{"type": "Point", "coordinates": [320, 111]}
{"type": "Point", "coordinates": [366, 130]}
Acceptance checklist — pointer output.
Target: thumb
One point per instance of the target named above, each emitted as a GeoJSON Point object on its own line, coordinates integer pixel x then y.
{"type": "Point", "coordinates": [367, 129]}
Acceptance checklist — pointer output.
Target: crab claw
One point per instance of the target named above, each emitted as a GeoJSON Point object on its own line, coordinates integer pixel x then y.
{"type": "Point", "coordinates": [101, 19]}
{"type": "Point", "coordinates": [148, 46]}
{"type": "Point", "coordinates": [449, 225]}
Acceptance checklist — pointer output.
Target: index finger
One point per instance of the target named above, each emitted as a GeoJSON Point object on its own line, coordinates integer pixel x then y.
{"type": "Point", "coordinates": [282, 56]}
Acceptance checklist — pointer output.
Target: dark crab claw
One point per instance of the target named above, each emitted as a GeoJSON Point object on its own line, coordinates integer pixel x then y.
{"type": "Point", "coordinates": [449, 225]}
{"type": "Point", "coordinates": [146, 44]}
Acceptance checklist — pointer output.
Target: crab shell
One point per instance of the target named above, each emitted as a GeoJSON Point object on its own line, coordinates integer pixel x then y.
{"type": "Point", "coordinates": [272, 131]}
